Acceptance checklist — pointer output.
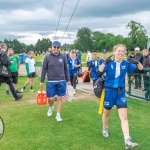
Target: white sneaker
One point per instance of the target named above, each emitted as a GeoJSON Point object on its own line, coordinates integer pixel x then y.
{"type": "Point", "coordinates": [129, 144]}
{"type": "Point", "coordinates": [58, 118]}
{"type": "Point", "coordinates": [32, 90]}
{"type": "Point", "coordinates": [22, 90]}
{"type": "Point", "coordinates": [50, 111]}
{"type": "Point", "coordinates": [74, 92]}
{"type": "Point", "coordinates": [105, 132]}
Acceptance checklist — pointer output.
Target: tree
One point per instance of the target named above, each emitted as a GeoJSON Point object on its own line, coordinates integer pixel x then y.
{"type": "Point", "coordinates": [43, 45]}
{"type": "Point", "coordinates": [84, 39]}
{"type": "Point", "coordinates": [137, 34]}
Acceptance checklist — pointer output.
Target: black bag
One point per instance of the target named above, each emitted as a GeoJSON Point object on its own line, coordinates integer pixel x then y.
{"type": "Point", "coordinates": [98, 87]}
{"type": "Point", "coordinates": [4, 71]}
{"type": "Point", "coordinates": [79, 72]}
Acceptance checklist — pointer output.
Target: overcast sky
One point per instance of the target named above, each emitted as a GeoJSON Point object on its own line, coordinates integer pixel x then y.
{"type": "Point", "coordinates": [29, 20]}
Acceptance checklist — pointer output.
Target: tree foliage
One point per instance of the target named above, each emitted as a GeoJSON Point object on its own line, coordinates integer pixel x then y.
{"type": "Point", "coordinates": [137, 34]}
{"type": "Point", "coordinates": [86, 39]}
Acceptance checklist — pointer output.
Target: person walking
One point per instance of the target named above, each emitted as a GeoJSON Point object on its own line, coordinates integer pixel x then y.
{"type": "Point", "coordinates": [88, 57]}
{"type": "Point", "coordinates": [14, 67]}
{"type": "Point", "coordinates": [55, 66]}
{"type": "Point", "coordinates": [93, 67]}
{"type": "Point", "coordinates": [73, 64]}
{"type": "Point", "coordinates": [31, 71]}
{"type": "Point", "coordinates": [115, 73]}
{"type": "Point", "coordinates": [3, 79]}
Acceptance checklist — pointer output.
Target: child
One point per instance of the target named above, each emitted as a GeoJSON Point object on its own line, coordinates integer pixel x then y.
{"type": "Point", "coordinates": [31, 72]}
{"type": "Point", "coordinates": [115, 72]}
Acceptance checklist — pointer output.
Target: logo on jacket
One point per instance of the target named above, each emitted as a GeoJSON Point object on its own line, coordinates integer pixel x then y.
{"type": "Point", "coordinates": [123, 67]}
{"type": "Point", "coordinates": [60, 60]}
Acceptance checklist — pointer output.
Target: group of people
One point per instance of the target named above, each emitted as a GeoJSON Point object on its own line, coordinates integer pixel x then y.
{"type": "Point", "coordinates": [60, 70]}
{"type": "Point", "coordinates": [12, 63]}
{"type": "Point", "coordinates": [55, 65]}
{"type": "Point", "coordinates": [144, 59]}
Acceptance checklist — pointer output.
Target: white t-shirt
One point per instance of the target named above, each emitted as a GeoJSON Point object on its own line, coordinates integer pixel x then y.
{"type": "Point", "coordinates": [31, 63]}
{"type": "Point", "coordinates": [89, 56]}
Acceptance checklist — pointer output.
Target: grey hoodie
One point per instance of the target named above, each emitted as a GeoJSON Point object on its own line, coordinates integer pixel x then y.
{"type": "Point", "coordinates": [56, 68]}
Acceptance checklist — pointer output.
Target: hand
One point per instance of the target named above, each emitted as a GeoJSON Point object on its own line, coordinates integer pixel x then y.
{"type": "Point", "coordinates": [107, 60]}
{"type": "Point", "coordinates": [11, 62]}
{"type": "Point", "coordinates": [41, 86]}
{"type": "Point", "coordinates": [134, 61]}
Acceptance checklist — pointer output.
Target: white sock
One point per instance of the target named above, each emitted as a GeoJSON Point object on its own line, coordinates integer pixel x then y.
{"type": "Point", "coordinates": [58, 113]}
{"type": "Point", "coordinates": [126, 137]}
{"type": "Point", "coordinates": [51, 107]}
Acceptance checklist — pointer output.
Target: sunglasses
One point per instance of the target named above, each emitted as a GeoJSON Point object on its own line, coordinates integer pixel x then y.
{"type": "Point", "coordinates": [56, 47]}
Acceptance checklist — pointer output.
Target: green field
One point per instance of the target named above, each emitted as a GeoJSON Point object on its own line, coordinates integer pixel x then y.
{"type": "Point", "coordinates": [27, 126]}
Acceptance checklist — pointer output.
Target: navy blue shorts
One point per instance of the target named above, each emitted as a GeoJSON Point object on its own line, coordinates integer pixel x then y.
{"type": "Point", "coordinates": [93, 75]}
{"type": "Point", "coordinates": [56, 88]}
{"type": "Point", "coordinates": [113, 97]}
{"type": "Point", "coordinates": [72, 73]}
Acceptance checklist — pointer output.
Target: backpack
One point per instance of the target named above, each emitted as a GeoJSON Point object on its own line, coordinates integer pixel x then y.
{"type": "Point", "coordinates": [98, 87]}
{"type": "Point", "coordinates": [4, 70]}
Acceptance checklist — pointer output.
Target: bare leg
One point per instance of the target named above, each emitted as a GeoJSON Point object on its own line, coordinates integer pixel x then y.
{"type": "Point", "coordinates": [51, 102]}
{"type": "Point", "coordinates": [7, 87]}
{"type": "Point", "coordinates": [124, 121]}
{"type": "Point", "coordinates": [27, 82]}
{"type": "Point", "coordinates": [59, 103]}
{"type": "Point", "coordinates": [105, 118]}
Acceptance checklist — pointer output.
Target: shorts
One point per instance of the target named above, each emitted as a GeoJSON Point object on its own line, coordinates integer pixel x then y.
{"type": "Point", "coordinates": [32, 75]}
{"type": "Point", "coordinates": [56, 88]}
{"type": "Point", "coordinates": [93, 75]}
{"type": "Point", "coordinates": [115, 97]}
{"type": "Point", "coordinates": [72, 73]}
{"type": "Point", "coordinates": [14, 77]}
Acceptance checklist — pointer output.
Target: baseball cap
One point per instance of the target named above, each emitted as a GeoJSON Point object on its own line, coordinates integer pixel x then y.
{"type": "Point", "coordinates": [104, 51]}
{"type": "Point", "coordinates": [137, 49]}
{"type": "Point", "coordinates": [56, 43]}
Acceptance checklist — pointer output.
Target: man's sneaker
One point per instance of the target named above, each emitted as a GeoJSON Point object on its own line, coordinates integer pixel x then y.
{"type": "Point", "coordinates": [31, 90]}
{"type": "Point", "coordinates": [7, 92]}
{"type": "Point", "coordinates": [22, 90]}
{"type": "Point", "coordinates": [105, 132]}
{"type": "Point", "coordinates": [74, 92]}
{"type": "Point", "coordinates": [129, 144]}
{"type": "Point", "coordinates": [18, 97]}
{"type": "Point", "coordinates": [50, 111]}
{"type": "Point", "coordinates": [58, 118]}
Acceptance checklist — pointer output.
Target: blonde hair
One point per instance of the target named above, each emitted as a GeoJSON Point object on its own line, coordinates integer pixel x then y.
{"type": "Point", "coordinates": [119, 45]}
{"type": "Point", "coordinates": [146, 50]}
{"type": "Point", "coordinates": [72, 52]}
{"type": "Point", "coordinates": [3, 45]}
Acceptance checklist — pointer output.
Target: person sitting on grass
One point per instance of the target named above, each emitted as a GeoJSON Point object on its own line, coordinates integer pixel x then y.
{"type": "Point", "coordinates": [115, 72]}
{"type": "Point", "coordinates": [31, 71]}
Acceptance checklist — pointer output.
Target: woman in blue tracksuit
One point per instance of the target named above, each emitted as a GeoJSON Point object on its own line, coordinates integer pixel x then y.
{"type": "Point", "coordinates": [73, 64]}
{"type": "Point", "coordinates": [93, 67]}
{"type": "Point", "coordinates": [115, 72]}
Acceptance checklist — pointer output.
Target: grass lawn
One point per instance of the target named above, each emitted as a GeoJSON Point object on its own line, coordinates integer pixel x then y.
{"type": "Point", "coordinates": [28, 128]}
